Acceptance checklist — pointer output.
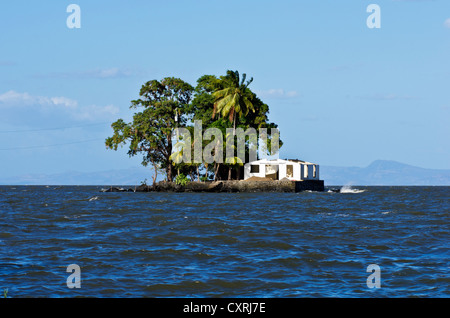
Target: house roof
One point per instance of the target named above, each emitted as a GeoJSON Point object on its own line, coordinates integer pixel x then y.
{"type": "Point", "coordinates": [280, 161]}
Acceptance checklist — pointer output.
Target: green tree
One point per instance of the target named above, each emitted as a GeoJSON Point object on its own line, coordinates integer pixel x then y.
{"type": "Point", "coordinates": [172, 103]}
{"type": "Point", "coordinates": [204, 108]}
{"type": "Point", "coordinates": [235, 99]}
{"type": "Point", "coordinates": [165, 106]}
{"type": "Point", "coordinates": [182, 161]}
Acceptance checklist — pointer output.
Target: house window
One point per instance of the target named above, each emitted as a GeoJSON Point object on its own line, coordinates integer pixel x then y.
{"type": "Point", "coordinates": [289, 171]}
{"type": "Point", "coordinates": [254, 169]}
{"type": "Point", "coordinates": [272, 172]}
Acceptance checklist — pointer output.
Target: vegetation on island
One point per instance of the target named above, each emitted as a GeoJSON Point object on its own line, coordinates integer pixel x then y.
{"type": "Point", "coordinates": [218, 102]}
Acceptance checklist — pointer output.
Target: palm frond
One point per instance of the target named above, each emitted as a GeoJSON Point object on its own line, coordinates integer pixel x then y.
{"type": "Point", "coordinates": [227, 108]}
{"type": "Point", "coordinates": [243, 79]}
{"type": "Point", "coordinates": [248, 105]}
{"type": "Point", "coordinates": [234, 160]}
{"type": "Point", "coordinates": [221, 103]}
{"type": "Point", "coordinates": [236, 103]}
{"type": "Point", "coordinates": [177, 157]}
{"type": "Point", "coordinates": [235, 78]}
{"type": "Point", "coordinates": [233, 100]}
{"type": "Point", "coordinates": [222, 93]}
{"type": "Point", "coordinates": [249, 82]}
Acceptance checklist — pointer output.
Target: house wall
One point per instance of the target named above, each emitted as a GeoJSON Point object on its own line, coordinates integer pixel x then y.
{"type": "Point", "coordinates": [281, 171]}
{"type": "Point", "coordinates": [300, 171]}
{"type": "Point", "coordinates": [247, 174]}
{"type": "Point", "coordinates": [296, 171]}
{"type": "Point", "coordinates": [311, 172]}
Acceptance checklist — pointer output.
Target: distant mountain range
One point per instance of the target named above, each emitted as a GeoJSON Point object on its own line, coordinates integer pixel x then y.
{"type": "Point", "coordinates": [380, 172]}
{"type": "Point", "coordinates": [130, 176]}
{"type": "Point", "coordinates": [384, 172]}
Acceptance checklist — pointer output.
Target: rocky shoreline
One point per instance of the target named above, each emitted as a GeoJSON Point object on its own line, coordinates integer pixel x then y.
{"type": "Point", "coordinates": [227, 186]}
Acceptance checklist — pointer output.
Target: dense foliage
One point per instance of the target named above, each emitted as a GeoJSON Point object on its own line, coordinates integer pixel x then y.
{"type": "Point", "coordinates": [224, 102]}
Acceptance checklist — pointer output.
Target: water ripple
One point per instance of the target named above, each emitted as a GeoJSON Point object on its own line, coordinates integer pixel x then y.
{"type": "Point", "coordinates": [224, 245]}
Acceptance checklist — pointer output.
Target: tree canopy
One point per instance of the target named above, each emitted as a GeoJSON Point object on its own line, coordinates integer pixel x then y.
{"type": "Point", "coordinates": [163, 106]}
{"type": "Point", "coordinates": [235, 100]}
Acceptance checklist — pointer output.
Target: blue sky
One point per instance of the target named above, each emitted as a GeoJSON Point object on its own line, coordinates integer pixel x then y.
{"type": "Point", "coordinates": [343, 94]}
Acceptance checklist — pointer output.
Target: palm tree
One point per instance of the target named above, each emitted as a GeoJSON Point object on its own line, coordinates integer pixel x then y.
{"type": "Point", "coordinates": [177, 156]}
{"type": "Point", "coordinates": [236, 162]}
{"type": "Point", "coordinates": [232, 161]}
{"type": "Point", "coordinates": [179, 148]}
{"type": "Point", "coordinates": [235, 99]}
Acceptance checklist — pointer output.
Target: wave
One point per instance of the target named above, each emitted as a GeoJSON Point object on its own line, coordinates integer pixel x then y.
{"type": "Point", "coordinates": [349, 189]}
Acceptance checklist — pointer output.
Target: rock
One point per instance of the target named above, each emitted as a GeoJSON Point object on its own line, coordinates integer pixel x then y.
{"type": "Point", "coordinates": [115, 189]}
{"type": "Point", "coordinates": [249, 185]}
{"type": "Point", "coordinates": [196, 186]}
{"type": "Point", "coordinates": [143, 188]}
{"type": "Point", "coordinates": [215, 186]}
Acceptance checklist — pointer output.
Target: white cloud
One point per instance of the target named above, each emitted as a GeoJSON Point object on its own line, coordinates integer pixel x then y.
{"type": "Point", "coordinates": [67, 102]}
{"type": "Point", "coordinates": [447, 23]}
{"type": "Point", "coordinates": [13, 98]}
{"type": "Point", "coordinates": [52, 107]}
{"type": "Point", "coordinates": [277, 93]}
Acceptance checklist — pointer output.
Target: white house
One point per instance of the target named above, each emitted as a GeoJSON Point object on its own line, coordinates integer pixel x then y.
{"type": "Point", "coordinates": [278, 169]}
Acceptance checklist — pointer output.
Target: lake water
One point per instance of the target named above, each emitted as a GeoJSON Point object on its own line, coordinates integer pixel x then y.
{"type": "Point", "coordinates": [225, 244]}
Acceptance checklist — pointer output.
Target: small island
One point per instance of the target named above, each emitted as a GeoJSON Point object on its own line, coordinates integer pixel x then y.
{"type": "Point", "coordinates": [220, 116]}
{"type": "Point", "coordinates": [227, 186]}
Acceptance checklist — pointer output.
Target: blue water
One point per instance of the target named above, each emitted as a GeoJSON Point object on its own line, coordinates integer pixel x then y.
{"type": "Point", "coordinates": [224, 244]}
